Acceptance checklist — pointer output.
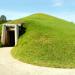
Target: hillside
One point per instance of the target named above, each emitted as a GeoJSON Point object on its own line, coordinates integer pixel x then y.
{"type": "Point", "coordinates": [47, 41]}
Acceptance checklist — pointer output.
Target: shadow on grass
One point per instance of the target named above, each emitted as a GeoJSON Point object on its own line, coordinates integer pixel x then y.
{"type": "Point", "coordinates": [22, 29]}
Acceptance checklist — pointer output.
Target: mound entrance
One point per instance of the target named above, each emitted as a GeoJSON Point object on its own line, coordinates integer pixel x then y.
{"type": "Point", "coordinates": [10, 34]}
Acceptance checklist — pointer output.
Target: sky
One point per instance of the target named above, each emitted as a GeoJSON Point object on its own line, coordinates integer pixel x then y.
{"type": "Point", "coordinates": [14, 9]}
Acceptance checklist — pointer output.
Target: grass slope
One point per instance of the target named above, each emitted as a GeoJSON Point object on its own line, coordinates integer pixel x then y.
{"type": "Point", "coordinates": [48, 41]}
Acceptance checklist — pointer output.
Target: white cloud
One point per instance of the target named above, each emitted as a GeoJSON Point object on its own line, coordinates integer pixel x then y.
{"type": "Point", "coordinates": [69, 16]}
{"type": "Point", "coordinates": [58, 3]}
{"type": "Point", "coordinates": [14, 14]}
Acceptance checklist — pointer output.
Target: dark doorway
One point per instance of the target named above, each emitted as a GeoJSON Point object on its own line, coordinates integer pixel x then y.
{"type": "Point", "coordinates": [11, 38]}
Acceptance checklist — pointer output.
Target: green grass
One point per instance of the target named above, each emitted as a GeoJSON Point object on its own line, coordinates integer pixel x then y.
{"type": "Point", "coordinates": [48, 41]}
{"type": "Point", "coordinates": [0, 34]}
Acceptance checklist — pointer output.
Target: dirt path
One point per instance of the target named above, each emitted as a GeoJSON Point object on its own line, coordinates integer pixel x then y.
{"type": "Point", "coordinates": [10, 66]}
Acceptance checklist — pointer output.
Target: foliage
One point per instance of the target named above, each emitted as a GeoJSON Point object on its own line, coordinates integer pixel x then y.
{"type": "Point", "coordinates": [3, 19]}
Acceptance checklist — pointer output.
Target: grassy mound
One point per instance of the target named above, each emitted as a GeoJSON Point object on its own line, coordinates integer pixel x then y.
{"type": "Point", "coordinates": [48, 41]}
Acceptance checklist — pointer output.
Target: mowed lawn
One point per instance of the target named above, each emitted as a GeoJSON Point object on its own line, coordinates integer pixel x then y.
{"type": "Point", "coordinates": [47, 41]}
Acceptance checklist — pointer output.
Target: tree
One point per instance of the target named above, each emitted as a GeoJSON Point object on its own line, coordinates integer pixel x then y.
{"type": "Point", "coordinates": [3, 19]}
